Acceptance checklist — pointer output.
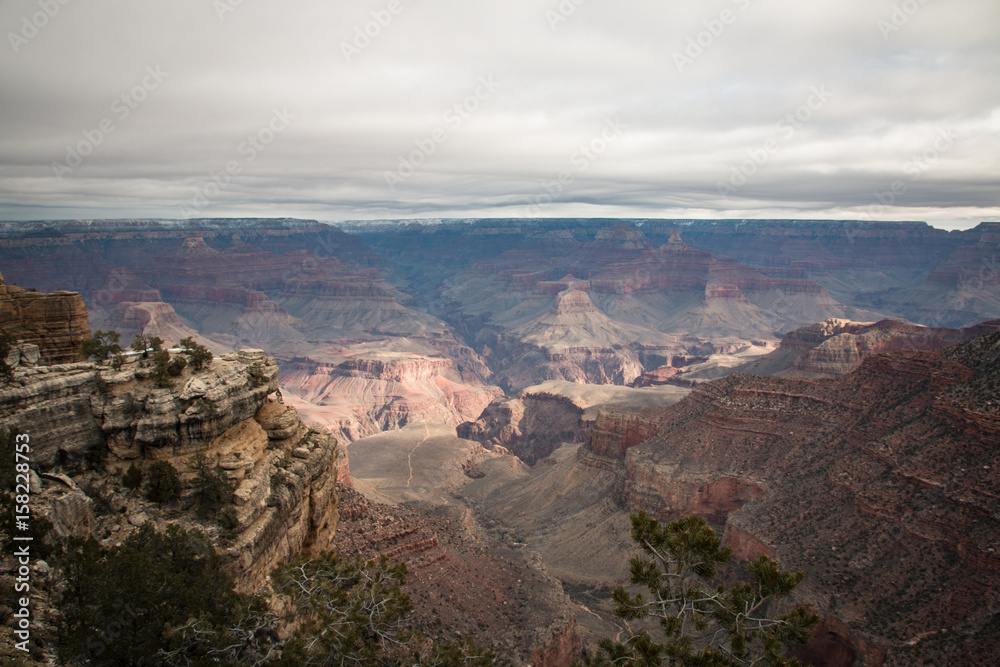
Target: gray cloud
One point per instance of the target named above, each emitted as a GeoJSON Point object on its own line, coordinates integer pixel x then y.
{"type": "Point", "coordinates": [694, 114]}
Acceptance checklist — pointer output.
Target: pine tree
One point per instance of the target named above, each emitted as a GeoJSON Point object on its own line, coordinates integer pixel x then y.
{"type": "Point", "coordinates": [704, 623]}
{"type": "Point", "coordinates": [101, 345]}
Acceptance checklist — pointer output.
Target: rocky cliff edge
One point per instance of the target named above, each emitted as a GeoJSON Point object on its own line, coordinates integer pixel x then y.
{"type": "Point", "coordinates": [89, 423]}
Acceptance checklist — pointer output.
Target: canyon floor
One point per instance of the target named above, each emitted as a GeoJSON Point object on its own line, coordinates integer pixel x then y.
{"type": "Point", "coordinates": [555, 519]}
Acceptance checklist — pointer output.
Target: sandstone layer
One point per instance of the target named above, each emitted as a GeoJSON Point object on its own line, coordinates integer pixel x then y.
{"type": "Point", "coordinates": [55, 322]}
{"type": "Point", "coordinates": [464, 583]}
{"type": "Point", "coordinates": [89, 423]}
{"type": "Point", "coordinates": [544, 417]}
{"type": "Point", "coordinates": [895, 458]}
{"type": "Point", "coordinates": [307, 293]}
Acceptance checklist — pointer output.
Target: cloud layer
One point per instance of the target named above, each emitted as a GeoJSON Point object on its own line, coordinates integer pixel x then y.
{"type": "Point", "coordinates": [433, 108]}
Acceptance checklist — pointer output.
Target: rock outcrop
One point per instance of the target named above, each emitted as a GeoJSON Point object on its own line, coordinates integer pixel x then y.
{"type": "Point", "coordinates": [379, 391]}
{"type": "Point", "coordinates": [91, 423]}
{"type": "Point", "coordinates": [879, 484]}
{"type": "Point", "coordinates": [836, 347]}
{"type": "Point", "coordinates": [530, 426]}
{"type": "Point", "coordinates": [544, 417]}
{"type": "Point", "coordinates": [466, 584]}
{"type": "Point", "coordinates": [55, 322]}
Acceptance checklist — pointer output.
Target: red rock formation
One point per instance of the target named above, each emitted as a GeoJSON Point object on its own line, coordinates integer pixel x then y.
{"type": "Point", "coordinates": [617, 430]}
{"type": "Point", "coordinates": [656, 377]}
{"type": "Point", "coordinates": [835, 347]}
{"type": "Point", "coordinates": [622, 299]}
{"type": "Point", "coordinates": [56, 322]}
{"type": "Point", "coordinates": [364, 395]}
{"type": "Point", "coordinates": [531, 426]}
{"type": "Point", "coordinates": [464, 586]}
{"type": "Point", "coordinates": [899, 457]}
{"type": "Point", "coordinates": [153, 319]}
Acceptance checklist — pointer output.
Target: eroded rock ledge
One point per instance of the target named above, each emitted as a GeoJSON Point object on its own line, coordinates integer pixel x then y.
{"type": "Point", "coordinates": [56, 322]}
{"type": "Point", "coordinates": [88, 424]}
{"type": "Point", "coordinates": [880, 485]}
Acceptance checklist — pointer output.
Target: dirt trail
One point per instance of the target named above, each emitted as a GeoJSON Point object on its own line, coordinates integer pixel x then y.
{"type": "Point", "coordinates": [409, 457]}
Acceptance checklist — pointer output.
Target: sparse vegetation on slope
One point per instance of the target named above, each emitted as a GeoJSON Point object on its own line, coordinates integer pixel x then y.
{"type": "Point", "coordinates": [163, 598]}
{"type": "Point", "coordinates": [703, 623]}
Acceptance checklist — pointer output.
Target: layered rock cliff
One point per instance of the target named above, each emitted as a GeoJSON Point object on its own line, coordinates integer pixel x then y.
{"type": "Point", "coordinates": [547, 416]}
{"type": "Point", "coordinates": [621, 306]}
{"type": "Point", "coordinates": [880, 485]}
{"type": "Point", "coordinates": [309, 294]}
{"type": "Point", "coordinates": [531, 426]}
{"type": "Point", "coordinates": [836, 347]}
{"type": "Point", "coordinates": [90, 423]}
{"type": "Point", "coordinates": [55, 322]}
{"type": "Point", "coordinates": [377, 391]}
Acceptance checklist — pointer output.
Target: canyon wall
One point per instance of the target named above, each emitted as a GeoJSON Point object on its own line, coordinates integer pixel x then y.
{"type": "Point", "coordinates": [88, 424]}
{"type": "Point", "coordinates": [314, 297]}
{"type": "Point", "coordinates": [56, 322]}
{"type": "Point", "coordinates": [531, 426]}
{"type": "Point", "coordinates": [897, 458]}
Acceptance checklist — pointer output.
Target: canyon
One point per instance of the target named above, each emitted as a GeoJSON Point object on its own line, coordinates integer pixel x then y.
{"type": "Point", "coordinates": [484, 306]}
{"type": "Point", "coordinates": [880, 485]}
{"type": "Point", "coordinates": [505, 392]}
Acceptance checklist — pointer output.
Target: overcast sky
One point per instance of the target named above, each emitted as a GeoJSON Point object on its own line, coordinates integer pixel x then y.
{"type": "Point", "coordinates": [843, 109]}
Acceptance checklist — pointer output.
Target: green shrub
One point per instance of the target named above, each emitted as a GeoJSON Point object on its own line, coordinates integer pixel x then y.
{"type": "Point", "coordinates": [229, 518]}
{"type": "Point", "coordinates": [200, 355]}
{"type": "Point", "coordinates": [144, 343]}
{"type": "Point", "coordinates": [127, 605]}
{"type": "Point", "coordinates": [162, 482]}
{"type": "Point", "coordinates": [161, 363]}
{"type": "Point", "coordinates": [212, 490]}
{"type": "Point", "coordinates": [101, 345]}
{"type": "Point", "coordinates": [176, 366]}
{"type": "Point", "coordinates": [132, 478]}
